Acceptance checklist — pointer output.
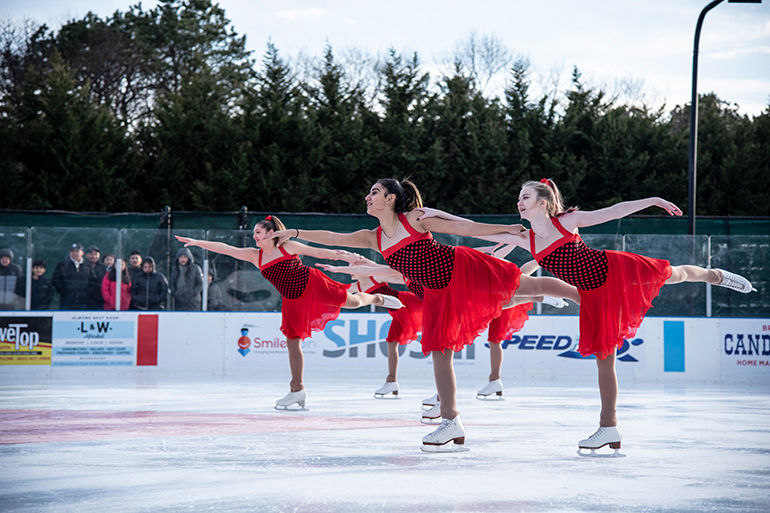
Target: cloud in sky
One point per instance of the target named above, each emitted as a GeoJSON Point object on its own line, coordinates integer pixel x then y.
{"type": "Point", "coordinates": [297, 14]}
{"type": "Point", "coordinates": [738, 53]}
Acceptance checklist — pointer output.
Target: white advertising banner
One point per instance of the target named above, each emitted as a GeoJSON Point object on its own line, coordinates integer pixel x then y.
{"type": "Point", "coordinates": [745, 351]}
{"type": "Point", "coordinates": [94, 339]}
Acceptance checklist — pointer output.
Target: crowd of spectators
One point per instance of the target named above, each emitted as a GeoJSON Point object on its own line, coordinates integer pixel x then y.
{"type": "Point", "coordinates": [87, 281]}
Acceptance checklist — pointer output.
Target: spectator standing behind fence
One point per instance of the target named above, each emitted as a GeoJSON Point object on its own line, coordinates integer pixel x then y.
{"type": "Point", "coordinates": [98, 270]}
{"type": "Point", "coordinates": [110, 288]}
{"type": "Point", "coordinates": [135, 262]}
{"type": "Point", "coordinates": [12, 283]}
{"type": "Point", "coordinates": [70, 278]}
{"type": "Point", "coordinates": [42, 290]}
{"type": "Point", "coordinates": [214, 302]}
{"type": "Point", "coordinates": [186, 281]}
{"type": "Point", "coordinates": [149, 288]}
{"type": "Point", "coordinates": [108, 260]}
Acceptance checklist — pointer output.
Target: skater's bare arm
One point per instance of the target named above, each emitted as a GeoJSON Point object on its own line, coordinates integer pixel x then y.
{"type": "Point", "coordinates": [581, 218]}
{"type": "Point", "coordinates": [246, 254]}
{"type": "Point", "coordinates": [360, 239]}
{"type": "Point", "coordinates": [530, 267]}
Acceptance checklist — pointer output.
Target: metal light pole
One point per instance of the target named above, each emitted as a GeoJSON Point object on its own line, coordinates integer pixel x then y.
{"type": "Point", "coordinates": [694, 114]}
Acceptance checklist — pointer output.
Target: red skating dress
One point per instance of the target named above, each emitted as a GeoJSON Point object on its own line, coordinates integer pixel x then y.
{"type": "Point", "coordinates": [510, 321]}
{"type": "Point", "coordinates": [464, 289]}
{"type": "Point", "coordinates": [616, 288]}
{"type": "Point", "coordinates": [310, 298]}
{"type": "Point", "coordinates": [407, 321]}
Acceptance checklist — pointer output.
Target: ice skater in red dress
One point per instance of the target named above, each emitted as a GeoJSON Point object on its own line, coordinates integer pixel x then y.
{"type": "Point", "coordinates": [406, 324]}
{"type": "Point", "coordinates": [616, 287]}
{"type": "Point", "coordinates": [310, 299]}
{"type": "Point", "coordinates": [464, 289]}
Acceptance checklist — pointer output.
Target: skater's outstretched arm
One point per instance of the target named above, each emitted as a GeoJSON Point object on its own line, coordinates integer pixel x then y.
{"type": "Point", "coordinates": [359, 239]}
{"type": "Point", "coordinates": [382, 272]}
{"type": "Point", "coordinates": [245, 254]}
{"type": "Point", "coordinates": [298, 248]}
{"type": "Point", "coordinates": [580, 218]}
{"type": "Point", "coordinates": [501, 238]}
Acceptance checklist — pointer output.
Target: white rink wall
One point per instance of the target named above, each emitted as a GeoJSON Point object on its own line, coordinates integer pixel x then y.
{"type": "Point", "coordinates": [210, 344]}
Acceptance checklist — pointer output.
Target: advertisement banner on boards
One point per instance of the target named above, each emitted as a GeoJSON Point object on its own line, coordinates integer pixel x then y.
{"type": "Point", "coordinates": [25, 340]}
{"type": "Point", "coordinates": [745, 352]}
{"type": "Point", "coordinates": [94, 339]}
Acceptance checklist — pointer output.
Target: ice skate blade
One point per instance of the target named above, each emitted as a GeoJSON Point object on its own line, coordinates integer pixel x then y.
{"type": "Point", "coordinates": [447, 447]}
{"type": "Point", "coordinates": [491, 397]}
{"type": "Point", "coordinates": [428, 420]}
{"type": "Point", "coordinates": [389, 396]}
{"type": "Point", "coordinates": [594, 454]}
{"type": "Point", "coordinates": [286, 408]}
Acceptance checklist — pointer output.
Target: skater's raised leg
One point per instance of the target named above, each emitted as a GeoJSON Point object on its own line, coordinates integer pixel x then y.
{"type": "Point", "coordinates": [693, 273]}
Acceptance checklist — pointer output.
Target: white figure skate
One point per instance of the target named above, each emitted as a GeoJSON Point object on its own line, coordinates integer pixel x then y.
{"type": "Point", "coordinates": [492, 392]}
{"type": "Point", "coordinates": [430, 402]}
{"type": "Point", "coordinates": [556, 302]}
{"type": "Point", "coordinates": [390, 302]}
{"type": "Point", "coordinates": [604, 436]}
{"type": "Point", "coordinates": [735, 282]}
{"type": "Point", "coordinates": [432, 416]}
{"type": "Point", "coordinates": [450, 430]}
{"type": "Point", "coordinates": [291, 399]}
{"type": "Point", "coordinates": [387, 391]}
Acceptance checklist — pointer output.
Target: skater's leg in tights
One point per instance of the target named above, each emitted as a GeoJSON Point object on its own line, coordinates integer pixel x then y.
{"type": "Point", "coordinates": [529, 286]}
{"type": "Point", "coordinates": [444, 372]}
{"type": "Point", "coordinates": [296, 363]}
{"type": "Point", "coordinates": [680, 273]}
{"type": "Point", "coordinates": [608, 390]}
{"type": "Point", "coordinates": [495, 360]}
{"type": "Point", "coordinates": [392, 362]}
{"type": "Point", "coordinates": [362, 299]}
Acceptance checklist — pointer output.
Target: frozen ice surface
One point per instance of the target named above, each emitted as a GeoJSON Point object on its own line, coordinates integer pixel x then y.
{"type": "Point", "coordinates": [179, 445]}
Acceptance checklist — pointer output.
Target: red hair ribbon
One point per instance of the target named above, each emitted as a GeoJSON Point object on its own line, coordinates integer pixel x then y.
{"type": "Point", "coordinates": [546, 181]}
{"type": "Point", "coordinates": [269, 218]}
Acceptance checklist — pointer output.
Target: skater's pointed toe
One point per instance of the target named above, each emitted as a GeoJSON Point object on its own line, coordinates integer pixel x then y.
{"type": "Point", "coordinates": [390, 302]}
{"type": "Point", "coordinates": [735, 282]}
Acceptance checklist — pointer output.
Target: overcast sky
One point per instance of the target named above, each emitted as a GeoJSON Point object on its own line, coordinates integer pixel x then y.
{"type": "Point", "coordinates": [644, 42]}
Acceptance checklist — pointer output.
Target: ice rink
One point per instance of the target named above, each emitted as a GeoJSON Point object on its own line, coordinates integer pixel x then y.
{"type": "Point", "coordinates": [176, 445]}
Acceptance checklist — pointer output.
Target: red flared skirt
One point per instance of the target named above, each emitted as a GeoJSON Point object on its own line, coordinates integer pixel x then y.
{"type": "Point", "coordinates": [407, 321]}
{"type": "Point", "coordinates": [510, 321]}
{"type": "Point", "coordinates": [319, 303]}
{"type": "Point", "coordinates": [480, 285]}
{"type": "Point", "coordinates": [614, 311]}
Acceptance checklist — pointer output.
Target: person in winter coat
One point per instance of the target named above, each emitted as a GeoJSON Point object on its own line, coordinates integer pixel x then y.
{"type": "Point", "coordinates": [215, 295]}
{"type": "Point", "coordinates": [148, 288]}
{"type": "Point", "coordinates": [186, 281]}
{"type": "Point", "coordinates": [98, 270]}
{"type": "Point", "coordinates": [42, 289]}
{"type": "Point", "coordinates": [70, 278]}
{"type": "Point", "coordinates": [110, 288]}
{"type": "Point", "coordinates": [12, 283]}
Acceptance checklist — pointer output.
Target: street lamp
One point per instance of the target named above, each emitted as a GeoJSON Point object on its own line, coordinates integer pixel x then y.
{"type": "Point", "coordinates": [694, 113]}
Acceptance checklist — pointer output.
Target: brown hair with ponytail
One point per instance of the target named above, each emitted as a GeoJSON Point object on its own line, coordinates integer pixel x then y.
{"type": "Point", "coordinates": [546, 190]}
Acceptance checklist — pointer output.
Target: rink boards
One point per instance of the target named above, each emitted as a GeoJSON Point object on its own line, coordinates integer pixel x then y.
{"type": "Point", "coordinates": [61, 344]}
